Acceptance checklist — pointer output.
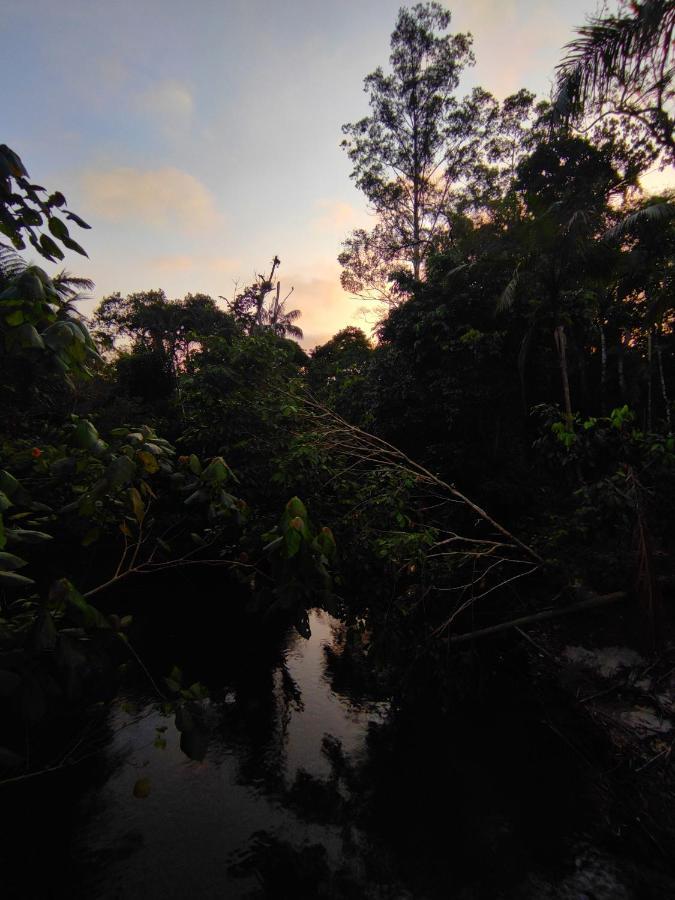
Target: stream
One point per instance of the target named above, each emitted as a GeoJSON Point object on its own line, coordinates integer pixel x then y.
{"type": "Point", "coordinates": [203, 822]}
{"type": "Point", "coordinates": [296, 779]}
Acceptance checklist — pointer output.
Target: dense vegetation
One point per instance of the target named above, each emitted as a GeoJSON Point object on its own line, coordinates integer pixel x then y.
{"type": "Point", "coordinates": [506, 439]}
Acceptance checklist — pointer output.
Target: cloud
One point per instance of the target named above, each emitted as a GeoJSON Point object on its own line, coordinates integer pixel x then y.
{"type": "Point", "coordinates": [326, 308]}
{"type": "Point", "coordinates": [338, 216]}
{"type": "Point", "coordinates": [159, 197]}
{"type": "Point", "coordinates": [538, 33]}
{"type": "Point", "coordinates": [169, 104]}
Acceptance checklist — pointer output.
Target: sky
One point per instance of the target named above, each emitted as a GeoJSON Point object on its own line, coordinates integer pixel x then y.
{"type": "Point", "coordinates": [201, 138]}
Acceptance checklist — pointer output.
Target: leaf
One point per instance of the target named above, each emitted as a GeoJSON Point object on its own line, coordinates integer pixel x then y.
{"type": "Point", "coordinates": [142, 788]}
{"type": "Point", "coordinates": [295, 507]}
{"type": "Point", "coordinates": [28, 337]}
{"type": "Point", "coordinates": [85, 435]}
{"type": "Point", "coordinates": [5, 502]}
{"type": "Point", "coordinates": [73, 245]}
{"type": "Point", "coordinates": [14, 581]}
{"type": "Point", "coordinates": [77, 220]}
{"type": "Point", "coordinates": [216, 472]}
{"type": "Point", "coordinates": [27, 536]}
{"type": "Point", "coordinates": [9, 562]}
{"type": "Point", "coordinates": [149, 462]}
{"type": "Point", "coordinates": [8, 483]}
{"type": "Point", "coordinates": [121, 471]}
{"type": "Point", "coordinates": [292, 541]}
{"type": "Point", "coordinates": [137, 504]}
{"type": "Point", "coordinates": [49, 248]}
{"type": "Point", "coordinates": [58, 228]}
{"type": "Point", "coordinates": [90, 617]}
{"type": "Point", "coordinates": [195, 465]}
{"type": "Point", "coordinates": [15, 318]}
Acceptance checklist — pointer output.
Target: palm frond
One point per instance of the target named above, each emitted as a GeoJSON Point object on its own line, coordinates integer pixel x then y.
{"type": "Point", "coordinates": [11, 264]}
{"type": "Point", "coordinates": [71, 286]}
{"type": "Point", "coordinates": [654, 213]}
{"type": "Point", "coordinates": [606, 50]}
{"type": "Point", "coordinates": [508, 295]}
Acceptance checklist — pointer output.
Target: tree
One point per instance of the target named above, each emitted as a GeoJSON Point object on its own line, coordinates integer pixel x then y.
{"type": "Point", "coordinates": [565, 186]}
{"type": "Point", "coordinates": [338, 374]}
{"type": "Point", "coordinates": [166, 329]}
{"type": "Point", "coordinates": [622, 66]}
{"type": "Point", "coordinates": [400, 151]}
{"type": "Point", "coordinates": [254, 313]}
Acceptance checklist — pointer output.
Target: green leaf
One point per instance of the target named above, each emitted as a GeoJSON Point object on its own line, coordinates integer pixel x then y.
{"type": "Point", "coordinates": [5, 502]}
{"type": "Point", "coordinates": [8, 483]}
{"type": "Point", "coordinates": [216, 472]}
{"type": "Point", "coordinates": [120, 471]}
{"type": "Point", "coordinates": [85, 435]}
{"type": "Point", "coordinates": [195, 465]}
{"type": "Point", "coordinates": [58, 228]}
{"type": "Point", "coordinates": [15, 318]}
{"type": "Point", "coordinates": [292, 541]}
{"type": "Point", "coordinates": [49, 248]}
{"type": "Point", "coordinates": [27, 536]}
{"type": "Point", "coordinates": [88, 615]}
{"type": "Point", "coordinates": [12, 580]}
{"type": "Point", "coordinates": [9, 562]}
{"type": "Point", "coordinates": [295, 507]}
{"type": "Point", "coordinates": [27, 336]}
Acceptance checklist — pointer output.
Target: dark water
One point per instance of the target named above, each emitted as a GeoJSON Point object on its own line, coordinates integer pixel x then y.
{"type": "Point", "coordinates": [299, 778]}
{"type": "Point", "coordinates": [203, 825]}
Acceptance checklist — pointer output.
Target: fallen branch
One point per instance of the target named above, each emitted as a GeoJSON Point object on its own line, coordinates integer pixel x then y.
{"type": "Point", "coordinates": [594, 603]}
{"type": "Point", "coordinates": [340, 435]}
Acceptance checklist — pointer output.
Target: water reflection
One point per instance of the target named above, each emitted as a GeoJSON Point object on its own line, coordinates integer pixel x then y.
{"type": "Point", "coordinates": [260, 810]}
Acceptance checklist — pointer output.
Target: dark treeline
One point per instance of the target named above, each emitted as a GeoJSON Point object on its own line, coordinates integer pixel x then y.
{"type": "Point", "coordinates": [501, 445]}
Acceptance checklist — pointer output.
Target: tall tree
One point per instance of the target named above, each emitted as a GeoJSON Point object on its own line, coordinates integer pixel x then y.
{"type": "Point", "coordinates": [399, 152]}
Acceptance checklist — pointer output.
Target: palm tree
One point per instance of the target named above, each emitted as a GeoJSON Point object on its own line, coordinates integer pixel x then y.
{"type": "Point", "coordinates": [622, 65]}
{"type": "Point", "coordinates": [279, 319]}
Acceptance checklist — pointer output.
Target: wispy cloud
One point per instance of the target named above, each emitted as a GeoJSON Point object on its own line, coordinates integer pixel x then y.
{"type": "Point", "coordinates": [534, 35]}
{"type": "Point", "coordinates": [169, 104]}
{"type": "Point", "coordinates": [336, 216]}
{"type": "Point", "coordinates": [158, 197]}
{"type": "Point", "coordinates": [325, 307]}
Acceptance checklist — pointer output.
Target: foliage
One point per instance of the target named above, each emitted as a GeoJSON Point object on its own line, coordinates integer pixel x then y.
{"type": "Point", "coordinates": [299, 558]}
{"type": "Point", "coordinates": [622, 66]}
{"type": "Point", "coordinates": [25, 210]}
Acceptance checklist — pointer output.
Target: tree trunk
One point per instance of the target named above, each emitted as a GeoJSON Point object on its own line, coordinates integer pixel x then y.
{"type": "Point", "coordinates": [561, 344]}
{"type": "Point", "coordinates": [664, 390]}
{"type": "Point", "coordinates": [649, 378]}
{"type": "Point", "coordinates": [619, 367]}
{"type": "Point", "coordinates": [603, 369]}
